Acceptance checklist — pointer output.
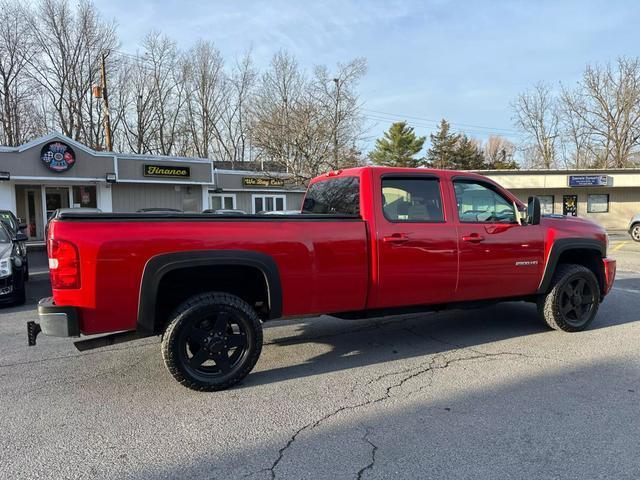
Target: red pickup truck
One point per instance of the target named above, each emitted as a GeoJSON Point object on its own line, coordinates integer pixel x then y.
{"type": "Point", "coordinates": [369, 241]}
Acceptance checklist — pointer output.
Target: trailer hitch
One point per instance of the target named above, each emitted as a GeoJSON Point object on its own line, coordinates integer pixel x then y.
{"type": "Point", "coordinates": [33, 329]}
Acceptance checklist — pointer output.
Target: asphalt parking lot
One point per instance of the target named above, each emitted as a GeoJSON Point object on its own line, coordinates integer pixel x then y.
{"type": "Point", "coordinates": [487, 393]}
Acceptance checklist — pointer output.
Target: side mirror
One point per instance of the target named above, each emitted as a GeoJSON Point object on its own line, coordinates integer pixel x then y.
{"type": "Point", "coordinates": [21, 237]}
{"type": "Point", "coordinates": [22, 226]}
{"type": "Point", "coordinates": [533, 211]}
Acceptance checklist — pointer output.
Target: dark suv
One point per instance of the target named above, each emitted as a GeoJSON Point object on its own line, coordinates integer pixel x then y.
{"type": "Point", "coordinates": [13, 267]}
{"type": "Point", "coordinates": [14, 226]}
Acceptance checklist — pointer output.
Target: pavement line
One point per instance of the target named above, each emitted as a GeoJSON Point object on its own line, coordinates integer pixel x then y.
{"type": "Point", "coordinates": [619, 246]}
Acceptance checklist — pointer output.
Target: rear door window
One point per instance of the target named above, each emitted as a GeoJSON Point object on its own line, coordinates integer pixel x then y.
{"type": "Point", "coordinates": [412, 199]}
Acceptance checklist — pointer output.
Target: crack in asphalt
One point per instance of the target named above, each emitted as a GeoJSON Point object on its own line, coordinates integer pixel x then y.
{"type": "Point", "coordinates": [374, 449]}
{"type": "Point", "coordinates": [430, 366]}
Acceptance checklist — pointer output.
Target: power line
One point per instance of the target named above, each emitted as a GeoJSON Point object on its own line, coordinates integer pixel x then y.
{"type": "Point", "coordinates": [414, 124]}
{"type": "Point", "coordinates": [429, 120]}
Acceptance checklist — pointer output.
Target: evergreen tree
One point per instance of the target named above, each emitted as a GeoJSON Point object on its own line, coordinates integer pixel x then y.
{"type": "Point", "coordinates": [467, 155]}
{"type": "Point", "coordinates": [443, 147]}
{"type": "Point", "coordinates": [502, 162]}
{"type": "Point", "coordinates": [398, 147]}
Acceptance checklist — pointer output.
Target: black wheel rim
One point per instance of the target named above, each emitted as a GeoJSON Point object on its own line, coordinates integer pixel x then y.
{"type": "Point", "coordinates": [577, 301]}
{"type": "Point", "coordinates": [214, 344]}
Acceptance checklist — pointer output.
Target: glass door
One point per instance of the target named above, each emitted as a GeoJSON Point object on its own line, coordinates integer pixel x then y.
{"type": "Point", "coordinates": [55, 198]}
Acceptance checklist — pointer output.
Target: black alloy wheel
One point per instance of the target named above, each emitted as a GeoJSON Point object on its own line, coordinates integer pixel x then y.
{"type": "Point", "coordinates": [576, 301]}
{"type": "Point", "coordinates": [212, 342]}
{"type": "Point", "coordinates": [573, 300]}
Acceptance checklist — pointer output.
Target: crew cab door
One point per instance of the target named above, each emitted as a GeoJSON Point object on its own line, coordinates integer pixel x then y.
{"type": "Point", "coordinates": [498, 256]}
{"type": "Point", "coordinates": [416, 241]}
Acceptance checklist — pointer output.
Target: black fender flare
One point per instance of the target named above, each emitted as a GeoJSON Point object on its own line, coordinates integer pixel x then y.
{"type": "Point", "coordinates": [562, 245]}
{"type": "Point", "coordinates": [158, 266]}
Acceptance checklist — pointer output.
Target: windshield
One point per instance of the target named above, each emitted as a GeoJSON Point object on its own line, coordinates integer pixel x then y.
{"type": "Point", "coordinates": [4, 235]}
{"type": "Point", "coordinates": [9, 221]}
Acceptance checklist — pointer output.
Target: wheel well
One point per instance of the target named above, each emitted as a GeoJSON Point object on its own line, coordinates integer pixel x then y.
{"type": "Point", "coordinates": [590, 258]}
{"type": "Point", "coordinates": [248, 283]}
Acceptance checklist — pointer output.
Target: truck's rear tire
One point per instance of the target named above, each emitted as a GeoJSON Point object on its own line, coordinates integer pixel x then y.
{"type": "Point", "coordinates": [213, 341]}
{"type": "Point", "coordinates": [572, 302]}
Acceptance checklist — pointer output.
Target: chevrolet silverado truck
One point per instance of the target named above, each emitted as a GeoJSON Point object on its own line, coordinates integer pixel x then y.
{"type": "Point", "coordinates": [369, 241]}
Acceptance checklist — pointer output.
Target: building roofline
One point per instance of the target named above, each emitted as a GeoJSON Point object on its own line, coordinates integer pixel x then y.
{"type": "Point", "coordinates": [538, 171]}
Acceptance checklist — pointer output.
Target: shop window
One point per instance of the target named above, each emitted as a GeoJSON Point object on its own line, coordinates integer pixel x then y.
{"type": "Point", "coordinates": [269, 203]}
{"type": "Point", "coordinates": [546, 204]}
{"type": "Point", "coordinates": [84, 196]}
{"type": "Point", "coordinates": [222, 202]}
{"type": "Point", "coordinates": [598, 203]}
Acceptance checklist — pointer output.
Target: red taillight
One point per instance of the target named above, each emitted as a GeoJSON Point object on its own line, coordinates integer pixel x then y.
{"type": "Point", "coordinates": [64, 264]}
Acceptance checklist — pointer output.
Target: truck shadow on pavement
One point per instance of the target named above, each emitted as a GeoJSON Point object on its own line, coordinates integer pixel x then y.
{"type": "Point", "coordinates": [449, 421]}
{"type": "Point", "coordinates": [348, 344]}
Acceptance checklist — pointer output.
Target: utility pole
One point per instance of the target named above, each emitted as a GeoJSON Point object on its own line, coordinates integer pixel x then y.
{"type": "Point", "coordinates": [105, 104]}
{"type": "Point", "coordinates": [335, 124]}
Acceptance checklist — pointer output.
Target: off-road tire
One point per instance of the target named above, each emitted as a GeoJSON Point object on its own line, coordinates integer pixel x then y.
{"type": "Point", "coordinates": [193, 310]}
{"type": "Point", "coordinates": [550, 305]}
{"type": "Point", "coordinates": [635, 232]}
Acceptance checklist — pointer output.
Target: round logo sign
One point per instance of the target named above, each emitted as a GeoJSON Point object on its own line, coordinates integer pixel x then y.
{"type": "Point", "coordinates": [58, 156]}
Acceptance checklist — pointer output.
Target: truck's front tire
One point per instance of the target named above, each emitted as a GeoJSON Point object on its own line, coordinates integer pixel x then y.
{"type": "Point", "coordinates": [572, 302]}
{"type": "Point", "coordinates": [213, 341]}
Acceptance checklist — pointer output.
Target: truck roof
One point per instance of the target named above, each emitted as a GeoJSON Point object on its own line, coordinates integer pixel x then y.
{"type": "Point", "coordinates": [440, 172]}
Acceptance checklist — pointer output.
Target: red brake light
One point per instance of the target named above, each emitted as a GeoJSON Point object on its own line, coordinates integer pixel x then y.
{"type": "Point", "coordinates": [64, 264]}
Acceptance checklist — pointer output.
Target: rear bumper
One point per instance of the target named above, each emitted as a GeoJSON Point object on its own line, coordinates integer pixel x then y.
{"type": "Point", "coordinates": [609, 274]}
{"type": "Point", "coordinates": [58, 321]}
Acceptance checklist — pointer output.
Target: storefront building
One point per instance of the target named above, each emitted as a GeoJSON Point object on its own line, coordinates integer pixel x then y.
{"type": "Point", "coordinates": [609, 197]}
{"type": "Point", "coordinates": [54, 172]}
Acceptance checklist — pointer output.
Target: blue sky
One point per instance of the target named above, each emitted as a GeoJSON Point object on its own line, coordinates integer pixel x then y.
{"type": "Point", "coordinates": [461, 60]}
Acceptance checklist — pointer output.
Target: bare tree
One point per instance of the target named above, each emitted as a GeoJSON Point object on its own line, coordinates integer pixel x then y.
{"type": "Point", "coordinates": [17, 117]}
{"type": "Point", "coordinates": [234, 129]}
{"type": "Point", "coordinates": [138, 127]}
{"type": "Point", "coordinates": [337, 97]}
{"type": "Point", "coordinates": [498, 152]}
{"type": "Point", "coordinates": [69, 43]}
{"type": "Point", "coordinates": [307, 126]}
{"type": "Point", "coordinates": [605, 110]}
{"type": "Point", "coordinates": [281, 90]}
{"type": "Point", "coordinates": [576, 135]}
{"type": "Point", "coordinates": [205, 94]}
{"type": "Point", "coordinates": [536, 114]}
{"type": "Point", "coordinates": [167, 90]}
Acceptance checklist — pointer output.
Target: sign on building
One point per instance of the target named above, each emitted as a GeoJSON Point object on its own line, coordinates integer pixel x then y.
{"type": "Point", "coordinates": [588, 180]}
{"type": "Point", "coordinates": [166, 171]}
{"type": "Point", "coordinates": [57, 156]}
{"type": "Point", "coordinates": [262, 182]}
